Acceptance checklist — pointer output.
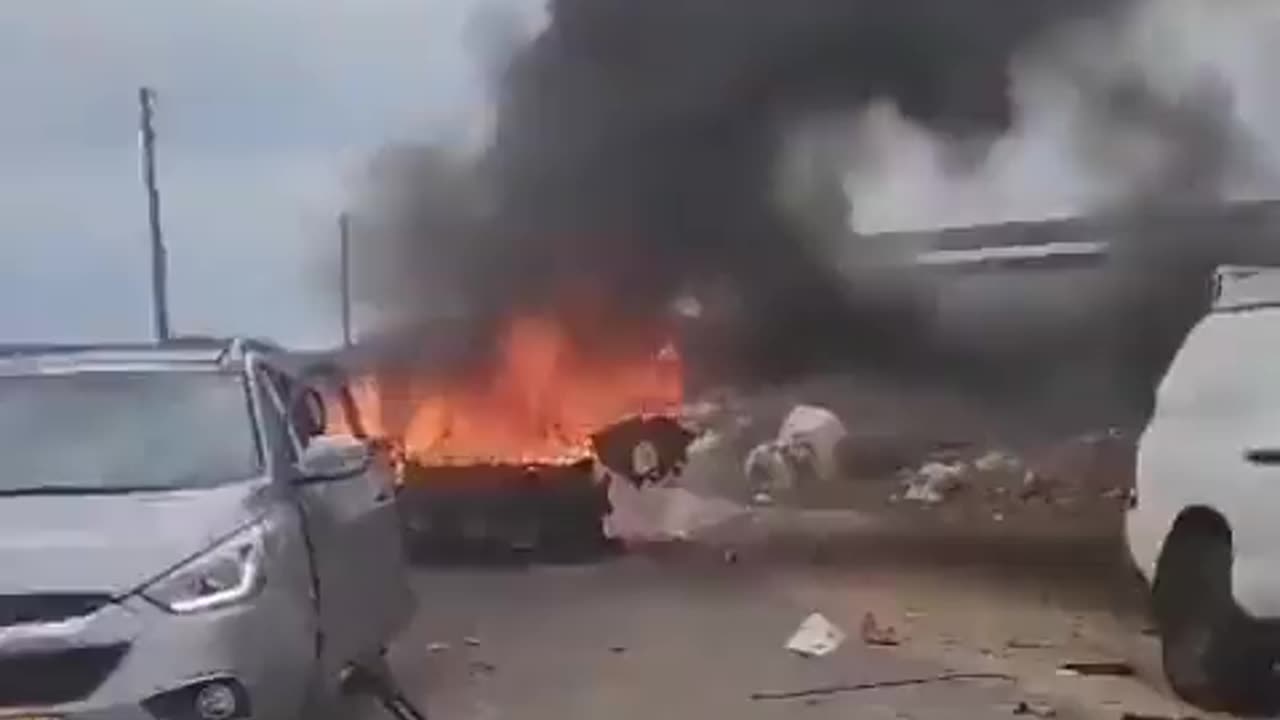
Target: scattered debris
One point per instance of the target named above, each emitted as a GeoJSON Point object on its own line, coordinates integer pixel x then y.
{"type": "Point", "coordinates": [658, 514]}
{"type": "Point", "coordinates": [1023, 644]}
{"type": "Point", "coordinates": [480, 667]}
{"type": "Point", "coordinates": [1147, 716]}
{"type": "Point", "coordinates": [875, 634]}
{"type": "Point", "coordinates": [817, 636]}
{"type": "Point", "coordinates": [644, 450]}
{"type": "Point", "coordinates": [807, 448]}
{"type": "Point", "coordinates": [618, 649]}
{"type": "Point", "coordinates": [705, 443]}
{"type": "Point", "coordinates": [817, 431]}
{"type": "Point", "coordinates": [730, 557]}
{"type": "Point", "coordinates": [436, 648]}
{"type": "Point", "coordinates": [881, 684]}
{"type": "Point", "coordinates": [1034, 485]}
{"type": "Point", "coordinates": [933, 482]}
{"type": "Point", "coordinates": [768, 469]}
{"type": "Point", "coordinates": [1096, 669]}
{"type": "Point", "coordinates": [471, 641]}
{"type": "Point", "coordinates": [762, 498]}
{"type": "Point", "coordinates": [1035, 709]}
{"type": "Point", "coordinates": [995, 461]}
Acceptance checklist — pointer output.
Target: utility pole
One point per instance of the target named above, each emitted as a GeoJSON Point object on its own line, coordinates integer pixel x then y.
{"type": "Point", "coordinates": [344, 238]}
{"type": "Point", "coordinates": [159, 259]}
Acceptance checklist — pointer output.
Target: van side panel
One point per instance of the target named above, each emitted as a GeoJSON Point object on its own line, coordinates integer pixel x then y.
{"type": "Point", "coordinates": [1219, 401]}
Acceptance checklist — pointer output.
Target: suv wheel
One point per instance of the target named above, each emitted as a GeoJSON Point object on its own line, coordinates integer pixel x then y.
{"type": "Point", "coordinates": [1207, 650]}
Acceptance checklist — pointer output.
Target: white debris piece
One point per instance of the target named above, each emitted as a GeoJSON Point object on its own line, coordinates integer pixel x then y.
{"type": "Point", "coordinates": [932, 482]}
{"type": "Point", "coordinates": [663, 514]}
{"type": "Point", "coordinates": [816, 636]}
{"type": "Point", "coordinates": [814, 432]}
{"type": "Point", "coordinates": [995, 460]}
{"type": "Point", "coordinates": [806, 447]}
{"type": "Point", "coordinates": [768, 469]}
{"type": "Point", "coordinates": [705, 443]}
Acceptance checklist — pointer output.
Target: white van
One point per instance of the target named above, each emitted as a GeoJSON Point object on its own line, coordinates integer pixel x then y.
{"type": "Point", "coordinates": [181, 539]}
{"type": "Point", "coordinates": [1204, 526]}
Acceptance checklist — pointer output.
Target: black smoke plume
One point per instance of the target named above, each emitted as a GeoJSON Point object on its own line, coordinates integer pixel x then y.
{"type": "Point", "coordinates": [636, 150]}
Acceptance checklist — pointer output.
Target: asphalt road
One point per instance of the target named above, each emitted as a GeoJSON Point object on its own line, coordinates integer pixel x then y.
{"type": "Point", "coordinates": [680, 632]}
{"type": "Point", "coordinates": [650, 637]}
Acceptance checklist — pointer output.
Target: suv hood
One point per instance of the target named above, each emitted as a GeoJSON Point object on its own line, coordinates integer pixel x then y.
{"type": "Point", "coordinates": [114, 543]}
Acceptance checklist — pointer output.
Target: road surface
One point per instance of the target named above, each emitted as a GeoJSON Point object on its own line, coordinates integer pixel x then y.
{"type": "Point", "coordinates": [681, 632]}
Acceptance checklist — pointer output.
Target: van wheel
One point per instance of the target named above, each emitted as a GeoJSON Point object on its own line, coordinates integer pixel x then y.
{"type": "Point", "coordinates": [1207, 650]}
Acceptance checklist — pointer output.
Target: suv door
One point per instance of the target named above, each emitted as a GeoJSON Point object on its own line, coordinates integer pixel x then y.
{"type": "Point", "coordinates": [342, 516]}
{"type": "Point", "coordinates": [386, 597]}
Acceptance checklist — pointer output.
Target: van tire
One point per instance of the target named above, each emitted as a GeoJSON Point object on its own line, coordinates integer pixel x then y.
{"type": "Point", "coordinates": [1207, 651]}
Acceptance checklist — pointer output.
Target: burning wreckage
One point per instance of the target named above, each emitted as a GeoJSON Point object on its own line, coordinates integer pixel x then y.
{"type": "Point", "coordinates": [519, 455]}
{"type": "Point", "coordinates": [519, 444]}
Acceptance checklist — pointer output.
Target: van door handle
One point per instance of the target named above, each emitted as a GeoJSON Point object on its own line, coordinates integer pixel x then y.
{"type": "Point", "coordinates": [1263, 456]}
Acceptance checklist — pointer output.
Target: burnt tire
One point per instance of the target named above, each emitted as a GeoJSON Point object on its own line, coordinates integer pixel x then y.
{"type": "Point", "coordinates": [1212, 654]}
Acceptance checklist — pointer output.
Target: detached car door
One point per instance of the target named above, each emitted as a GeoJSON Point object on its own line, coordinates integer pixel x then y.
{"type": "Point", "coordinates": [353, 528]}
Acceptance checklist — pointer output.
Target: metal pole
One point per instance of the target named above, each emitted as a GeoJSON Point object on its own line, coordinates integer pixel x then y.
{"type": "Point", "coordinates": [159, 259]}
{"type": "Point", "coordinates": [344, 236]}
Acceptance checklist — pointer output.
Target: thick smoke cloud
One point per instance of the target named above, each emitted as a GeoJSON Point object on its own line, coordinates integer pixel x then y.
{"type": "Point", "coordinates": [1170, 103]}
{"type": "Point", "coordinates": [639, 143]}
{"type": "Point", "coordinates": [637, 148]}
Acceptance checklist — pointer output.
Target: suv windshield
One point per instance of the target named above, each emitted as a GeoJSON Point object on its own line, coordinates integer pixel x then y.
{"type": "Point", "coordinates": [102, 432]}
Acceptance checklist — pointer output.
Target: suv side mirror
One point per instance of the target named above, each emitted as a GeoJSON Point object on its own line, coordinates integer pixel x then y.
{"type": "Point", "coordinates": [333, 457]}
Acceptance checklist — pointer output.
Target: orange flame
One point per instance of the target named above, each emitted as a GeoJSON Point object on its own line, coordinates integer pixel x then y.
{"type": "Point", "coordinates": [543, 400]}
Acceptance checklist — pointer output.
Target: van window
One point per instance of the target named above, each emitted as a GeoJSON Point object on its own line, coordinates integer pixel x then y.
{"type": "Point", "coordinates": [122, 431]}
{"type": "Point", "coordinates": [1225, 367]}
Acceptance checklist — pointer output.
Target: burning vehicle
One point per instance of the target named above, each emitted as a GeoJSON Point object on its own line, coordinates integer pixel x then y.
{"type": "Point", "coordinates": [517, 452]}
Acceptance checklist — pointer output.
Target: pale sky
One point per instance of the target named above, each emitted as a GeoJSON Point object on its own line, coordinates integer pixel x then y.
{"type": "Point", "coordinates": [267, 111]}
{"type": "Point", "coordinates": [269, 108]}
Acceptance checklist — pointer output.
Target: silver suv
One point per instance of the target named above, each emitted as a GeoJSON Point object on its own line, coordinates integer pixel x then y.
{"type": "Point", "coordinates": [181, 537]}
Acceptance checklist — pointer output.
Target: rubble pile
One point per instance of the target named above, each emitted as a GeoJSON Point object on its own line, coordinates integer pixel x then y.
{"type": "Point", "coordinates": [1068, 476]}
{"type": "Point", "coordinates": [817, 459]}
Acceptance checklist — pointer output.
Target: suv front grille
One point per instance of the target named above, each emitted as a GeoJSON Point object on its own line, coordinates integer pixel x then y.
{"type": "Point", "coordinates": [28, 609]}
{"type": "Point", "coordinates": [56, 678]}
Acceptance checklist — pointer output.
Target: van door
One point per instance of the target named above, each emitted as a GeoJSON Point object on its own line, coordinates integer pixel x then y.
{"type": "Point", "coordinates": [333, 511]}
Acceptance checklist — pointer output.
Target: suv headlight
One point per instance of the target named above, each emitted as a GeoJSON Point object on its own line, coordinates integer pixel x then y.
{"type": "Point", "coordinates": [230, 573]}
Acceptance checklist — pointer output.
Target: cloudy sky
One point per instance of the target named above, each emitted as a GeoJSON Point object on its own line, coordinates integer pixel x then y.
{"type": "Point", "coordinates": [267, 110]}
